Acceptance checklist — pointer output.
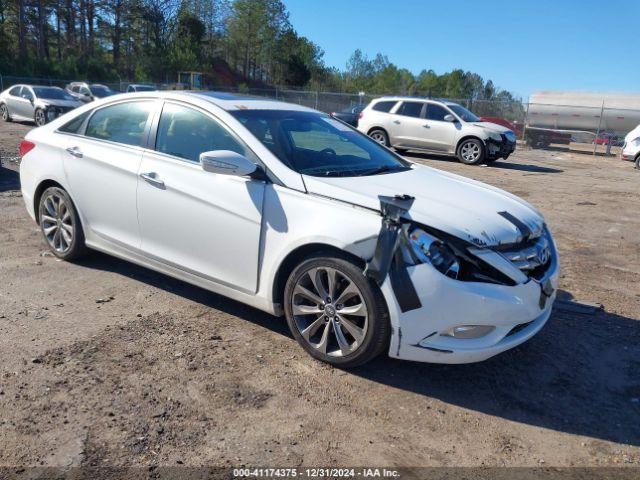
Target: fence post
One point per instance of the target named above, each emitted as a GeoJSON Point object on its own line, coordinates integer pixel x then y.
{"type": "Point", "coordinates": [1, 83]}
{"type": "Point", "coordinates": [317, 95]}
{"type": "Point", "coordinates": [595, 140]}
{"type": "Point", "coordinates": [524, 123]}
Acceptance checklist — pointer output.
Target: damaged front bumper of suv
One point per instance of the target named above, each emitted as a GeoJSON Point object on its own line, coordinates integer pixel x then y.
{"type": "Point", "coordinates": [500, 148]}
{"type": "Point", "coordinates": [472, 314]}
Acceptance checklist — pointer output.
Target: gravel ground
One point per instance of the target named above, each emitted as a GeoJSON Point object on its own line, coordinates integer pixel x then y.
{"type": "Point", "coordinates": [103, 363]}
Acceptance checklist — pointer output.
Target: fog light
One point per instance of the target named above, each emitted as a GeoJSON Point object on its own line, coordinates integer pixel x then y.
{"type": "Point", "coordinates": [469, 331]}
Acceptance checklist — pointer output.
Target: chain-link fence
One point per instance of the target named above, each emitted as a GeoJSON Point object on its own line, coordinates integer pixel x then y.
{"type": "Point", "coordinates": [563, 121]}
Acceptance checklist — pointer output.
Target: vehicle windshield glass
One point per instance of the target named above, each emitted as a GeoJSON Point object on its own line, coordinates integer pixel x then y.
{"type": "Point", "coordinates": [315, 144]}
{"type": "Point", "coordinates": [464, 114]}
{"type": "Point", "coordinates": [101, 91]}
{"type": "Point", "coordinates": [144, 88]}
{"type": "Point", "coordinates": [52, 93]}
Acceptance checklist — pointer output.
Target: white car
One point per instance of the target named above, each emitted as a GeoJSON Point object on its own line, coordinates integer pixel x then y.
{"type": "Point", "coordinates": [288, 210]}
{"type": "Point", "coordinates": [441, 127]}
{"type": "Point", "coordinates": [631, 148]}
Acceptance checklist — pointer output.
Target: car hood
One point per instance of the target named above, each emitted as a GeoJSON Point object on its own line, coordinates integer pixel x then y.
{"type": "Point", "coordinates": [492, 126]}
{"type": "Point", "coordinates": [60, 103]}
{"type": "Point", "coordinates": [470, 210]}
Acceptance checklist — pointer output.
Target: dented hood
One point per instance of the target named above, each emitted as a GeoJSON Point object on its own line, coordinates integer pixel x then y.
{"type": "Point", "coordinates": [470, 210]}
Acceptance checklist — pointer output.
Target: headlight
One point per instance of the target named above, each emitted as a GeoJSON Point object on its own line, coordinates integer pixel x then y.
{"type": "Point", "coordinates": [428, 249]}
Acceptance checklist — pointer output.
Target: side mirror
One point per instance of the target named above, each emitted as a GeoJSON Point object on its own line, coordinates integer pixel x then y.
{"type": "Point", "coordinates": [226, 162]}
{"type": "Point", "coordinates": [449, 118]}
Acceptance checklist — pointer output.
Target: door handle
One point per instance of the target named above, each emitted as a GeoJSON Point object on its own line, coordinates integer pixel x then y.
{"type": "Point", "coordinates": [75, 151]}
{"type": "Point", "coordinates": [426, 125]}
{"type": "Point", "coordinates": [397, 122]}
{"type": "Point", "coordinates": [152, 178]}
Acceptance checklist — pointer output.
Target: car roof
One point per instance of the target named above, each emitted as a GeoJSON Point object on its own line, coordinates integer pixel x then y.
{"type": "Point", "coordinates": [225, 100]}
{"type": "Point", "coordinates": [398, 98]}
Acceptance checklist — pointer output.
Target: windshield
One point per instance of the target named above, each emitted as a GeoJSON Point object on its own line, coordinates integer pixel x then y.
{"type": "Point", "coordinates": [52, 93]}
{"type": "Point", "coordinates": [144, 88]}
{"type": "Point", "coordinates": [101, 91]}
{"type": "Point", "coordinates": [315, 144]}
{"type": "Point", "coordinates": [463, 113]}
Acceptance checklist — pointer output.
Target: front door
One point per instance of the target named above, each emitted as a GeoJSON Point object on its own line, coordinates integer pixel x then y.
{"type": "Point", "coordinates": [440, 134]}
{"type": "Point", "coordinates": [203, 223]}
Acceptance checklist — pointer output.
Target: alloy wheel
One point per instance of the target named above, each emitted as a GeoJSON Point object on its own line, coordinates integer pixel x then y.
{"type": "Point", "coordinates": [40, 118]}
{"type": "Point", "coordinates": [5, 112]}
{"type": "Point", "coordinates": [329, 311]}
{"type": "Point", "coordinates": [56, 221]}
{"type": "Point", "coordinates": [470, 151]}
{"type": "Point", "coordinates": [379, 137]}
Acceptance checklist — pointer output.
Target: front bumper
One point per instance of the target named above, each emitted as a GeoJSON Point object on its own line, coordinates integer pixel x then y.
{"type": "Point", "coordinates": [514, 311]}
{"type": "Point", "coordinates": [499, 149]}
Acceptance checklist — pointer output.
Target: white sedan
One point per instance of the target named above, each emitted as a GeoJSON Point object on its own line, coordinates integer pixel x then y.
{"type": "Point", "coordinates": [288, 210]}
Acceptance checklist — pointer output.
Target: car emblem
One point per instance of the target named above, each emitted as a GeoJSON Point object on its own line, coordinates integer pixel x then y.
{"type": "Point", "coordinates": [543, 254]}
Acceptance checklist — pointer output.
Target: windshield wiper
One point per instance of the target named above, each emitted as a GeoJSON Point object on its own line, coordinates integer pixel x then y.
{"type": "Point", "coordinates": [384, 169]}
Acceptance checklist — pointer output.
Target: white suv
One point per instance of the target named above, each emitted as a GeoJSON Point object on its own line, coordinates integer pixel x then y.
{"type": "Point", "coordinates": [291, 211]}
{"type": "Point", "coordinates": [409, 123]}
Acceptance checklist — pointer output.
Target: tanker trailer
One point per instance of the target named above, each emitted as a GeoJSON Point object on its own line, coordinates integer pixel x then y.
{"type": "Point", "coordinates": [554, 116]}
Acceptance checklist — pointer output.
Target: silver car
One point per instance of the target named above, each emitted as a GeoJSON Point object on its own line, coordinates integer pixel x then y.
{"type": "Point", "coordinates": [88, 92]}
{"type": "Point", "coordinates": [33, 103]}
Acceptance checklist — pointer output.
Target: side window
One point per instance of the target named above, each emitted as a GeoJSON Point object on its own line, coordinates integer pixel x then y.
{"type": "Point", "coordinates": [436, 112]}
{"type": "Point", "coordinates": [410, 109]}
{"type": "Point", "coordinates": [74, 125]}
{"type": "Point", "coordinates": [75, 89]}
{"type": "Point", "coordinates": [85, 91]}
{"type": "Point", "coordinates": [384, 106]}
{"type": "Point", "coordinates": [26, 93]}
{"type": "Point", "coordinates": [122, 123]}
{"type": "Point", "coordinates": [15, 91]}
{"type": "Point", "coordinates": [185, 133]}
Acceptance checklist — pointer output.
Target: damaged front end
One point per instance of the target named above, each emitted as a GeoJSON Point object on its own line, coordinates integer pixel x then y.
{"type": "Point", "coordinates": [500, 148]}
{"type": "Point", "coordinates": [450, 296]}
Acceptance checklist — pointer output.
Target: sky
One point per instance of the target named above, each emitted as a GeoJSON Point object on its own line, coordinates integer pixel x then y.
{"type": "Point", "coordinates": [522, 45]}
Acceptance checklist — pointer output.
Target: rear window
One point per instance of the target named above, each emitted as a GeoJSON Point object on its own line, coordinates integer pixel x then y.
{"type": "Point", "coordinates": [385, 106]}
{"type": "Point", "coordinates": [410, 109]}
{"type": "Point", "coordinates": [74, 125]}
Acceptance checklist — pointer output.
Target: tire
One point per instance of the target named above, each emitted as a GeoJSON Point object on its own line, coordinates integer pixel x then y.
{"type": "Point", "coordinates": [40, 117]}
{"type": "Point", "coordinates": [401, 151]}
{"type": "Point", "coordinates": [380, 136]}
{"type": "Point", "coordinates": [637, 164]}
{"type": "Point", "coordinates": [60, 224]}
{"type": "Point", "coordinates": [314, 321]}
{"type": "Point", "coordinates": [4, 113]}
{"type": "Point", "coordinates": [471, 151]}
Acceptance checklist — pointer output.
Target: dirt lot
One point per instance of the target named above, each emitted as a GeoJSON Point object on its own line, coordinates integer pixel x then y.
{"type": "Point", "coordinates": [106, 363]}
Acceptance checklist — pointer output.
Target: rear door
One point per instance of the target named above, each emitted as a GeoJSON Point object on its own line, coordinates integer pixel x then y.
{"type": "Point", "coordinates": [407, 125]}
{"type": "Point", "coordinates": [13, 100]}
{"type": "Point", "coordinates": [439, 134]}
{"type": "Point", "coordinates": [102, 169]}
{"type": "Point", "coordinates": [23, 104]}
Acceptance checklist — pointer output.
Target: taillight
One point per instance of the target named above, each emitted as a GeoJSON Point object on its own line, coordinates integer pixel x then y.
{"type": "Point", "coordinates": [25, 147]}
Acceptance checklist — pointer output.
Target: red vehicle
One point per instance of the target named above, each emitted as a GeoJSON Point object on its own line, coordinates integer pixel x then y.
{"type": "Point", "coordinates": [500, 121]}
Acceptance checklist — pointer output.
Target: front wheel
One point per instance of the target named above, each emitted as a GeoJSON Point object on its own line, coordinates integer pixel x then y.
{"type": "Point", "coordinates": [335, 312]}
{"type": "Point", "coordinates": [60, 224]}
{"type": "Point", "coordinates": [471, 151]}
{"type": "Point", "coordinates": [40, 117]}
{"type": "Point", "coordinates": [379, 136]}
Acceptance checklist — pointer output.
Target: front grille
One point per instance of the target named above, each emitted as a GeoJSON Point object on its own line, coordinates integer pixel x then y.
{"type": "Point", "coordinates": [532, 257]}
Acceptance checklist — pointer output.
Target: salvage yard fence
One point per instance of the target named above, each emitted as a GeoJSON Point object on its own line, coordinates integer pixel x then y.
{"type": "Point", "coordinates": [590, 129]}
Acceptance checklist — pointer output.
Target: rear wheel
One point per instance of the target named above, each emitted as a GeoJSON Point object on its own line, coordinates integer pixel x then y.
{"type": "Point", "coordinates": [335, 312]}
{"type": "Point", "coordinates": [471, 151]}
{"type": "Point", "coordinates": [380, 136]}
{"type": "Point", "coordinates": [60, 224]}
{"type": "Point", "coordinates": [4, 113]}
{"type": "Point", "coordinates": [40, 117]}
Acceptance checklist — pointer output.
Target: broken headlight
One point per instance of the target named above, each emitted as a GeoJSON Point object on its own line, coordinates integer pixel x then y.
{"type": "Point", "coordinates": [428, 249]}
